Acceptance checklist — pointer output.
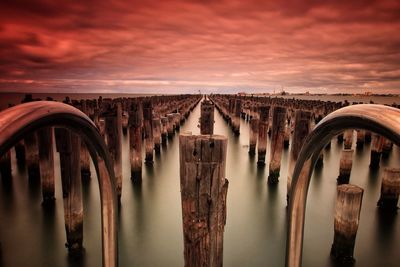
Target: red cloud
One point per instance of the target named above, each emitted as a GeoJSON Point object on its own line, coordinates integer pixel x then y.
{"type": "Point", "coordinates": [229, 45]}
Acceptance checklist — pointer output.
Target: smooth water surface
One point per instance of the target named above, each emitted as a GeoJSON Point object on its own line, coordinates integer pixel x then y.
{"type": "Point", "coordinates": [150, 227]}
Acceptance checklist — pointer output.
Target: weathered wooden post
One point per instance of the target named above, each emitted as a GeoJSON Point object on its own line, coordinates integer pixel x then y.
{"type": "Point", "coordinates": [253, 134]}
{"type": "Point", "coordinates": [170, 126]}
{"type": "Point", "coordinates": [346, 163]}
{"type": "Point", "coordinates": [177, 120]}
{"type": "Point", "coordinates": [46, 163]}
{"type": "Point", "coordinates": [113, 133]}
{"type": "Point", "coordinates": [390, 189]}
{"type": "Point", "coordinates": [262, 134]}
{"type": "Point", "coordinates": [207, 117]}
{"type": "Point", "coordinates": [236, 116]}
{"type": "Point", "coordinates": [301, 130]}
{"type": "Point", "coordinates": [164, 129]}
{"type": "Point", "coordinates": [286, 136]}
{"type": "Point", "coordinates": [20, 153]}
{"type": "Point", "coordinates": [277, 136]}
{"type": "Point", "coordinates": [157, 134]}
{"type": "Point", "coordinates": [367, 137]}
{"type": "Point", "coordinates": [5, 166]}
{"type": "Point", "coordinates": [135, 140]}
{"type": "Point", "coordinates": [203, 195]}
{"type": "Point", "coordinates": [348, 139]}
{"type": "Point", "coordinates": [85, 162]}
{"type": "Point", "coordinates": [32, 155]}
{"type": "Point", "coordinates": [148, 130]}
{"type": "Point", "coordinates": [68, 144]}
{"type": "Point", "coordinates": [386, 148]}
{"type": "Point", "coordinates": [376, 150]}
{"type": "Point", "coordinates": [360, 138]}
{"type": "Point", "coordinates": [347, 216]}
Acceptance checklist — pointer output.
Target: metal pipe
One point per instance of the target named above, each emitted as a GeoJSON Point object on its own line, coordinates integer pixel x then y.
{"type": "Point", "coordinates": [26, 118]}
{"type": "Point", "coordinates": [377, 118]}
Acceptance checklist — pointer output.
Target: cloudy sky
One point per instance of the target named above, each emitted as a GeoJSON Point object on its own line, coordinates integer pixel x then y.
{"type": "Point", "coordinates": [185, 46]}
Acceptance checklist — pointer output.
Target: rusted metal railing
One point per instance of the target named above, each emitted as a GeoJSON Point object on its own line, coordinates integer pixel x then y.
{"type": "Point", "coordinates": [20, 120]}
{"type": "Point", "coordinates": [380, 119]}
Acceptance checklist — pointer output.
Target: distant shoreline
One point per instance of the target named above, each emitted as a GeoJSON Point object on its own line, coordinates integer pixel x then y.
{"type": "Point", "coordinates": [387, 99]}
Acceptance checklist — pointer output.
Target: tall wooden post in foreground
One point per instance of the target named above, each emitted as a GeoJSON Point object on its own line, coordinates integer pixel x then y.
{"type": "Point", "coordinates": [135, 140]}
{"type": "Point", "coordinates": [207, 117]}
{"type": "Point", "coordinates": [46, 163]}
{"type": "Point", "coordinates": [203, 194]}
{"type": "Point", "coordinates": [68, 144]}
{"type": "Point", "coordinates": [262, 134]}
{"type": "Point", "coordinates": [347, 216]}
{"type": "Point", "coordinates": [277, 138]}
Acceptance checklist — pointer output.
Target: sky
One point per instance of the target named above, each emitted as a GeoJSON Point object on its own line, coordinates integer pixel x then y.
{"type": "Point", "coordinates": [221, 46]}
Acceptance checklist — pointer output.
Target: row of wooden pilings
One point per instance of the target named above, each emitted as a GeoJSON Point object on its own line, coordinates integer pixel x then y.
{"type": "Point", "coordinates": [293, 119]}
{"type": "Point", "coordinates": [151, 120]}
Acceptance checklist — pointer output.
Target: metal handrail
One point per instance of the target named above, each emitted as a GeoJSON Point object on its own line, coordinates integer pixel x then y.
{"type": "Point", "coordinates": [380, 119]}
{"type": "Point", "coordinates": [22, 119]}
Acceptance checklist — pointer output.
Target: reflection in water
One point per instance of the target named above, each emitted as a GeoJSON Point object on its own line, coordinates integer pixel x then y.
{"type": "Point", "coordinates": [150, 222]}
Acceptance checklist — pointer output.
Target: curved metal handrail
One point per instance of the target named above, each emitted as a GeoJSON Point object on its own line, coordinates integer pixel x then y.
{"type": "Point", "coordinates": [380, 119]}
{"type": "Point", "coordinates": [19, 120]}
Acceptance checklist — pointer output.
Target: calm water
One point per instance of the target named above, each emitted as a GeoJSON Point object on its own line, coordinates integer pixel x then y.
{"type": "Point", "coordinates": [150, 227]}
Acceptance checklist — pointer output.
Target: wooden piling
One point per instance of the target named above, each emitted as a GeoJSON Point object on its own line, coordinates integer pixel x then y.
{"type": "Point", "coordinates": [203, 194]}
{"type": "Point", "coordinates": [348, 139]}
{"type": "Point", "coordinates": [346, 163]}
{"type": "Point", "coordinates": [386, 148]}
{"type": "Point", "coordinates": [254, 121]}
{"type": "Point", "coordinates": [177, 121]}
{"type": "Point", "coordinates": [157, 134]}
{"type": "Point", "coordinates": [347, 216]}
{"type": "Point", "coordinates": [360, 138]}
{"type": "Point", "coordinates": [277, 138]}
{"type": "Point", "coordinates": [286, 136]}
{"type": "Point", "coordinates": [20, 153]}
{"type": "Point", "coordinates": [148, 130]}
{"type": "Point", "coordinates": [390, 190]}
{"type": "Point", "coordinates": [5, 166]}
{"type": "Point", "coordinates": [236, 116]}
{"type": "Point", "coordinates": [46, 163]}
{"type": "Point", "coordinates": [207, 117]}
{"type": "Point", "coordinates": [376, 150]}
{"type": "Point", "coordinates": [32, 155]}
{"type": "Point", "coordinates": [301, 130]}
{"type": "Point", "coordinates": [164, 129]}
{"type": "Point", "coordinates": [135, 140]}
{"type": "Point", "coordinates": [262, 134]}
{"type": "Point", "coordinates": [367, 137]}
{"type": "Point", "coordinates": [85, 162]}
{"type": "Point", "coordinates": [113, 133]}
{"type": "Point", "coordinates": [170, 126]}
{"type": "Point", "coordinates": [68, 144]}
{"type": "Point", "coordinates": [320, 160]}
